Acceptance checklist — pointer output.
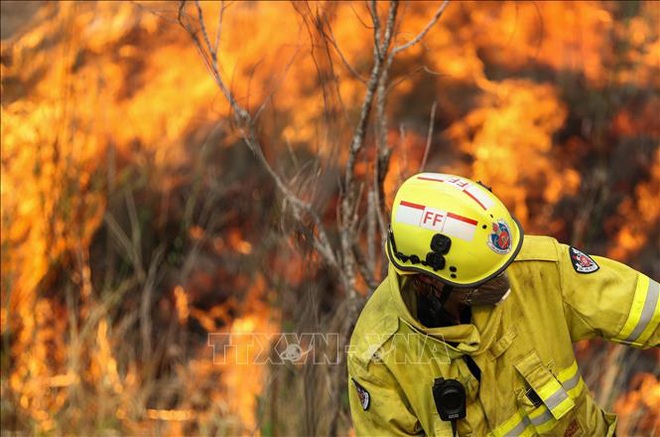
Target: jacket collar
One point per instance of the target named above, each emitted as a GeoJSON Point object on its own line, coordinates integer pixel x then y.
{"type": "Point", "coordinates": [472, 339]}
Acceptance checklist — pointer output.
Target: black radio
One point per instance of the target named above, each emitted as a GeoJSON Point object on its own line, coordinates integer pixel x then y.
{"type": "Point", "coordinates": [450, 400]}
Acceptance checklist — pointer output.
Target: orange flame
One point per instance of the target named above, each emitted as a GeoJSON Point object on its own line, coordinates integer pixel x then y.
{"type": "Point", "coordinates": [95, 91]}
{"type": "Point", "coordinates": [638, 409]}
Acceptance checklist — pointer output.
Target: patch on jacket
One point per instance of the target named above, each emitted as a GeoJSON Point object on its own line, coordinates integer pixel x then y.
{"type": "Point", "coordinates": [573, 429]}
{"type": "Point", "coordinates": [363, 394]}
{"type": "Point", "coordinates": [582, 263]}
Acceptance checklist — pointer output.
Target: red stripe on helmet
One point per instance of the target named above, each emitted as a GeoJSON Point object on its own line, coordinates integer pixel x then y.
{"type": "Point", "coordinates": [475, 199]}
{"type": "Point", "coordinates": [461, 218]}
{"type": "Point", "coordinates": [411, 205]}
{"type": "Point", "coordinates": [424, 178]}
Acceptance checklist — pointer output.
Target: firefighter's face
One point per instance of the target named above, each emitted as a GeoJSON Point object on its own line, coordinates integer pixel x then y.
{"type": "Point", "coordinates": [491, 292]}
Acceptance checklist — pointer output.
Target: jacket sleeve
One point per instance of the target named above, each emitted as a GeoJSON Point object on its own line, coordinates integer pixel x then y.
{"type": "Point", "coordinates": [604, 298]}
{"type": "Point", "coordinates": [378, 405]}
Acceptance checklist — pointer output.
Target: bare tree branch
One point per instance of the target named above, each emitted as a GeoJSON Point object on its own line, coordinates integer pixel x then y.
{"type": "Point", "coordinates": [349, 200]}
{"type": "Point", "coordinates": [330, 37]}
{"type": "Point", "coordinates": [372, 228]}
{"type": "Point", "coordinates": [218, 32]}
{"type": "Point", "coordinates": [376, 71]}
{"type": "Point", "coordinates": [365, 25]}
{"type": "Point", "coordinates": [429, 136]}
{"type": "Point", "coordinates": [365, 271]}
{"type": "Point", "coordinates": [422, 34]}
{"type": "Point", "coordinates": [278, 82]}
{"type": "Point", "coordinates": [373, 11]}
{"type": "Point", "coordinates": [383, 151]}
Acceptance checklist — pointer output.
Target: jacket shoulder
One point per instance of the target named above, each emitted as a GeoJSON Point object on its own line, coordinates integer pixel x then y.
{"type": "Point", "coordinates": [376, 324]}
{"type": "Point", "coordinates": [539, 248]}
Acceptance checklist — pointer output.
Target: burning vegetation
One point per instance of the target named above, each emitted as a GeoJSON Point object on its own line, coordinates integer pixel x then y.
{"type": "Point", "coordinates": [136, 221]}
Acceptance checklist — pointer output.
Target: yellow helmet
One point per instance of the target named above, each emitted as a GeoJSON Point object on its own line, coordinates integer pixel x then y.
{"type": "Point", "coordinates": [451, 228]}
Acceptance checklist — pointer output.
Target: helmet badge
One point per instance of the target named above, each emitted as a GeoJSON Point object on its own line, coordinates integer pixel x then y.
{"type": "Point", "coordinates": [499, 240]}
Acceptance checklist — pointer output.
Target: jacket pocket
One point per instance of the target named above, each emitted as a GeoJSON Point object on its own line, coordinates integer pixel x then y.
{"type": "Point", "coordinates": [544, 400]}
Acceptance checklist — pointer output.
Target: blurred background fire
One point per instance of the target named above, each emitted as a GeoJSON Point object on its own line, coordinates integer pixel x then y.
{"type": "Point", "coordinates": [135, 221]}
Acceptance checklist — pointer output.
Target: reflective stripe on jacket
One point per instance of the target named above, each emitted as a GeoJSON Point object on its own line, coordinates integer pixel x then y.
{"type": "Point", "coordinates": [530, 383]}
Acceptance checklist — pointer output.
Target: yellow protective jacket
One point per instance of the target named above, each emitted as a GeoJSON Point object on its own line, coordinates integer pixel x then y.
{"type": "Point", "coordinates": [523, 344]}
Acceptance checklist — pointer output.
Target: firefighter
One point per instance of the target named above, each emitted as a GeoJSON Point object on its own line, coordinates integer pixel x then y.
{"type": "Point", "coordinates": [472, 331]}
